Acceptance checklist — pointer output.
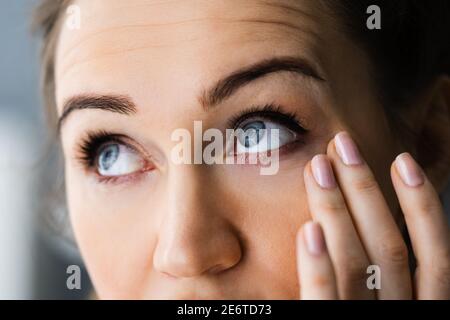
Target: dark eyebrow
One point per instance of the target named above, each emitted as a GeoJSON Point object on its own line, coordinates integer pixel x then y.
{"type": "Point", "coordinates": [223, 89]}
{"type": "Point", "coordinates": [115, 103]}
{"type": "Point", "coordinates": [226, 87]}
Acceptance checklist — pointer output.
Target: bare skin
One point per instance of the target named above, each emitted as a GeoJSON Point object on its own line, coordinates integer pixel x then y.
{"type": "Point", "coordinates": [166, 231]}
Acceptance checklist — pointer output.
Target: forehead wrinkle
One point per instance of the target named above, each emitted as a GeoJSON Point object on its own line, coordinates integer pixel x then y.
{"type": "Point", "coordinates": [286, 24]}
{"type": "Point", "coordinates": [100, 32]}
{"type": "Point", "coordinates": [288, 8]}
{"type": "Point", "coordinates": [247, 8]}
{"type": "Point", "coordinates": [108, 52]}
{"type": "Point", "coordinates": [121, 43]}
{"type": "Point", "coordinates": [144, 26]}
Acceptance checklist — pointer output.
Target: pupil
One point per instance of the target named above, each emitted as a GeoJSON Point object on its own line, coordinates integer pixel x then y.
{"type": "Point", "coordinates": [253, 133]}
{"type": "Point", "coordinates": [109, 156]}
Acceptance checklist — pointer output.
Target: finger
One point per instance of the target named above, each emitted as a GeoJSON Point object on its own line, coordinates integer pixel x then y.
{"type": "Point", "coordinates": [427, 227]}
{"type": "Point", "coordinates": [327, 207]}
{"type": "Point", "coordinates": [315, 270]}
{"type": "Point", "coordinates": [373, 220]}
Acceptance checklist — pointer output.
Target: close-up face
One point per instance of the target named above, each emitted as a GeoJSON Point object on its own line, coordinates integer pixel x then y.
{"type": "Point", "coordinates": [136, 71]}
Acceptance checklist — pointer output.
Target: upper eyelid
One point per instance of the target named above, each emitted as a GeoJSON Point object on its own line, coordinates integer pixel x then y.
{"type": "Point", "coordinates": [268, 112]}
{"type": "Point", "coordinates": [293, 130]}
{"type": "Point", "coordinates": [252, 118]}
{"type": "Point", "coordinates": [148, 149]}
{"type": "Point", "coordinates": [124, 144]}
{"type": "Point", "coordinates": [84, 146]}
{"type": "Point", "coordinates": [262, 115]}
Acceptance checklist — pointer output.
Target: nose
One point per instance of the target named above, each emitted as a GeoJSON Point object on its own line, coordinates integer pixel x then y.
{"type": "Point", "coordinates": [195, 237]}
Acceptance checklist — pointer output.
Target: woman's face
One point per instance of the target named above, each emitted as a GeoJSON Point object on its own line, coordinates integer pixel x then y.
{"type": "Point", "coordinates": [137, 71]}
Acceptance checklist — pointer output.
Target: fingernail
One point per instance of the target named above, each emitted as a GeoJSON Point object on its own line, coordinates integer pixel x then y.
{"type": "Point", "coordinates": [409, 170]}
{"type": "Point", "coordinates": [347, 149]}
{"type": "Point", "coordinates": [315, 241]}
{"type": "Point", "coordinates": [322, 172]}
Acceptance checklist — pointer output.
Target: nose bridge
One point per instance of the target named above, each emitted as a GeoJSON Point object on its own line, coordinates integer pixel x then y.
{"type": "Point", "coordinates": [184, 189]}
{"type": "Point", "coordinates": [195, 236]}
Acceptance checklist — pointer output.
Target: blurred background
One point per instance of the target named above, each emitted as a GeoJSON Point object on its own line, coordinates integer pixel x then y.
{"type": "Point", "coordinates": [34, 249]}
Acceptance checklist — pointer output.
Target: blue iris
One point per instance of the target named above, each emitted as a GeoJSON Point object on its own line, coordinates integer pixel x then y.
{"type": "Point", "coordinates": [108, 157]}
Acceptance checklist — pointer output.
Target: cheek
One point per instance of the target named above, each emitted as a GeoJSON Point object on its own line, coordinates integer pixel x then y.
{"type": "Point", "coordinates": [113, 240]}
{"type": "Point", "coordinates": [116, 251]}
{"type": "Point", "coordinates": [269, 211]}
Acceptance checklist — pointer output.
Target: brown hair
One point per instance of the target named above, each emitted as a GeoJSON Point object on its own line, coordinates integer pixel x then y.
{"type": "Point", "coordinates": [407, 54]}
{"type": "Point", "coordinates": [47, 19]}
{"type": "Point", "coordinates": [410, 49]}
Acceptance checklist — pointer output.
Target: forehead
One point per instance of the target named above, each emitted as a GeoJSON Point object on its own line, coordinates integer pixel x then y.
{"type": "Point", "coordinates": [165, 43]}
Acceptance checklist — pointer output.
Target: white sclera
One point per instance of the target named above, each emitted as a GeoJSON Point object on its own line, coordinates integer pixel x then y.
{"type": "Point", "coordinates": [120, 161]}
{"type": "Point", "coordinates": [285, 136]}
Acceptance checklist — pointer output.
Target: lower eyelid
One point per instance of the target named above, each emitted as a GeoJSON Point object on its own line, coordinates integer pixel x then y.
{"type": "Point", "coordinates": [120, 179]}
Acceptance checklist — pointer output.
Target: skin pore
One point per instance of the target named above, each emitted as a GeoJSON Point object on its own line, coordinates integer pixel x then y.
{"type": "Point", "coordinates": [196, 231]}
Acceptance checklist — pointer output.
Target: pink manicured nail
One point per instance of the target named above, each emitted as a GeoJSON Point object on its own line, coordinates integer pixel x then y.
{"type": "Point", "coordinates": [322, 172]}
{"type": "Point", "coordinates": [409, 170]}
{"type": "Point", "coordinates": [315, 241]}
{"type": "Point", "coordinates": [347, 149]}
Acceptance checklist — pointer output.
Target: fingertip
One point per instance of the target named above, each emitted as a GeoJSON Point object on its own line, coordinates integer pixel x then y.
{"type": "Point", "coordinates": [331, 147]}
{"type": "Point", "coordinates": [307, 170]}
{"type": "Point", "coordinates": [314, 238]}
{"type": "Point", "coordinates": [308, 178]}
{"type": "Point", "coordinates": [408, 170]}
{"type": "Point", "coordinates": [393, 171]}
{"type": "Point", "coordinates": [299, 234]}
{"type": "Point", "coordinates": [300, 242]}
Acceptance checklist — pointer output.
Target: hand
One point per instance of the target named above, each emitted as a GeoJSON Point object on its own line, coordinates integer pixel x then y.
{"type": "Point", "coordinates": [353, 228]}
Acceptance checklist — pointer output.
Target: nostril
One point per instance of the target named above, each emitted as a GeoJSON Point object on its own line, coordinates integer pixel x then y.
{"type": "Point", "coordinates": [168, 275]}
{"type": "Point", "coordinates": [194, 247]}
{"type": "Point", "coordinates": [179, 262]}
{"type": "Point", "coordinates": [216, 269]}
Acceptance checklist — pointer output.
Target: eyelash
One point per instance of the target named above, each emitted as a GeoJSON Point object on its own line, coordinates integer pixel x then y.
{"type": "Point", "coordinates": [89, 150]}
{"type": "Point", "coordinates": [90, 146]}
{"type": "Point", "coordinates": [268, 112]}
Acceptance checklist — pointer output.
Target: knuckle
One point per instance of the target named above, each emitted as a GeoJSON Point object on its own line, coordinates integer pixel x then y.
{"type": "Point", "coordinates": [365, 184]}
{"type": "Point", "coordinates": [353, 272]}
{"type": "Point", "coordinates": [440, 268]}
{"type": "Point", "coordinates": [320, 281]}
{"type": "Point", "coordinates": [393, 250]}
{"type": "Point", "coordinates": [428, 206]}
{"type": "Point", "coordinates": [356, 279]}
{"type": "Point", "coordinates": [332, 206]}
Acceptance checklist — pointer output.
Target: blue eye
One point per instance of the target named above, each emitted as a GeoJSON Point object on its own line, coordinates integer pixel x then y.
{"type": "Point", "coordinates": [262, 129]}
{"type": "Point", "coordinates": [257, 136]}
{"type": "Point", "coordinates": [116, 159]}
{"type": "Point", "coordinates": [108, 157]}
{"type": "Point", "coordinates": [254, 133]}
